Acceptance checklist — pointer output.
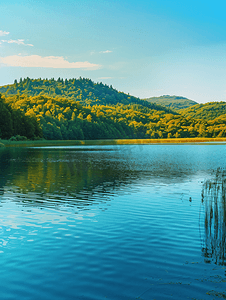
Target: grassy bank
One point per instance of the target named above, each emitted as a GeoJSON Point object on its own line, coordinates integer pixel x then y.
{"type": "Point", "coordinates": [43, 143]}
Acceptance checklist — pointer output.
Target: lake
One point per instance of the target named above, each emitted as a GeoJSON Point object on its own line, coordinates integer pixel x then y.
{"type": "Point", "coordinates": [113, 222]}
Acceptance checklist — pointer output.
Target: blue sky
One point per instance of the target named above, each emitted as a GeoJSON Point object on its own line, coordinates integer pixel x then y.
{"type": "Point", "coordinates": [144, 48]}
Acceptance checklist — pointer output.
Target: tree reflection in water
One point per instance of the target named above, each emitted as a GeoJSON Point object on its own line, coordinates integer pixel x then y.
{"type": "Point", "coordinates": [213, 200]}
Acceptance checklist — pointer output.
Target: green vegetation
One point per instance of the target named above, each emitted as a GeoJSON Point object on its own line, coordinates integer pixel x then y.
{"type": "Point", "coordinates": [172, 102]}
{"type": "Point", "coordinates": [114, 115]}
{"type": "Point", "coordinates": [14, 122]}
{"type": "Point", "coordinates": [66, 119]}
{"type": "Point", "coordinates": [207, 111]}
{"type": "Point", "coordinates": [214, 202]}
{"type": "Point", "coordinates": [83, 90]}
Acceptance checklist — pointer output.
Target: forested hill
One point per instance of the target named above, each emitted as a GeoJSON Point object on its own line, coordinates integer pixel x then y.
{"type": "Point", "coordinates": [83, 90]}
{"type": "Point", "coordinates": [207, 111]}
{"type": "Point", "coordinates": [61, 118]}
{"type": "Point", "coordinates": [78, 109]}
{"type": "Point", "coordinates": [172, 102]}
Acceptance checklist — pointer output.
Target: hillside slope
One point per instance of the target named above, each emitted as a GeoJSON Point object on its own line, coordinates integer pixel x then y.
{"type": "Point", "coordinates": [62, 118]}
{"type": "Point", "coordinates": [83, 90]}
{"type": "Point", "coordinates": [66, 119]}
{"type": "Point", "coordinates": [207, 111]}
{"type": "Point", "coordinates": [172, 102]}
{"type": "Point", "coordinates": [78, 109]}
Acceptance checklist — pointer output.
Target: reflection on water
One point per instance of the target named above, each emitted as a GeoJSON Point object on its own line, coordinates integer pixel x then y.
{"type": "Point", "coordinates": [115, 222]}
{"type": "Point", "coordinates": [50, 178]}
{"type": "Point", "coordinates": [80, 177]}
{"type": "Point", "coordinates": [214, 201]}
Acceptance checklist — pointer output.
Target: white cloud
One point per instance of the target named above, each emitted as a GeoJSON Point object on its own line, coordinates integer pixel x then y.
{"type": "Point", "coordinates": [2, 33]}
{"type": "Point", "coordinates": [106, 51]}
{"type": "Point", "coordinates": [18, 42]}
{"type": "Point", "coordinates": [36, 61]}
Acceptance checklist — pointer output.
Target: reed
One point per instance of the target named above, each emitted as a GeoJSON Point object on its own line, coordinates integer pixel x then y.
{"type": "Point", "coordinates": [214, 202]}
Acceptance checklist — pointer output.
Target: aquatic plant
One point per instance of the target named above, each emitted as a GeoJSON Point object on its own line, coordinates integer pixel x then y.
{"type": "Point", "coordinates": [214, 202]}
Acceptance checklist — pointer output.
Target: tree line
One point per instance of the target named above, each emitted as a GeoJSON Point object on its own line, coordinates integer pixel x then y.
{"type": "Point", "coordinates": [83, 90]}
{"type": "Point", "coordinates": [58, 118]}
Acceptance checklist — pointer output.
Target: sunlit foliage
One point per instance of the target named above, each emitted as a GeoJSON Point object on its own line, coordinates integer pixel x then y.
{"type": "Point", "coordinates": [83, 90]}
{"type": "Point", "coordinates": [92, 111]}
{"type": "Point", "coordinates": [207, 111]}
{"type": "Point", "coordinates": [14, 122]}
{"type": "Point", "coordinates": [66, 119]}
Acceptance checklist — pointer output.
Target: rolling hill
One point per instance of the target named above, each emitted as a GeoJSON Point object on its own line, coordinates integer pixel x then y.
{"type": "Point", "coordinates": [172, 102]}
{"type": "Point", "coordinates": [83, 90]}
{"type": "Point", "coordinates": [207, 111]}
{"type": "Point", "coordinates": [78, 109]}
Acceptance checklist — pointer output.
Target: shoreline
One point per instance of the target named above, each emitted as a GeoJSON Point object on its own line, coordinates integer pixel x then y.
{"type": "Point", "coordinates": [43, 143]}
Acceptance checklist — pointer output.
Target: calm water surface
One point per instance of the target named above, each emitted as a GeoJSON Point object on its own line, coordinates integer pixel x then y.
{"type": "Point", "coordinates": [113, 222]}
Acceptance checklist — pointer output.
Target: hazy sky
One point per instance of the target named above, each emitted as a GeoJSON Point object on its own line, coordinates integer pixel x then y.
{"type": "Point", "coordinates": [145, 48]}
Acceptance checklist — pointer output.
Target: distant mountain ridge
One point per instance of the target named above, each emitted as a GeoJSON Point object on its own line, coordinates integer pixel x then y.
{"type": "Point", "coordinates": [172, 102]}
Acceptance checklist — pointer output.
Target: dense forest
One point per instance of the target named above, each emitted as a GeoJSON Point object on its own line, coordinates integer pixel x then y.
{"type": "Point", "coordinates": [207, 111]}
{"type": "Point", "coordinates": [172, 102]}
{"type": "Point", "coordinates": [83, 90]}
{"type": "Point", "coordinates": [65, 118]}
{"type": "Point", "coordinates": [14, 122]}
